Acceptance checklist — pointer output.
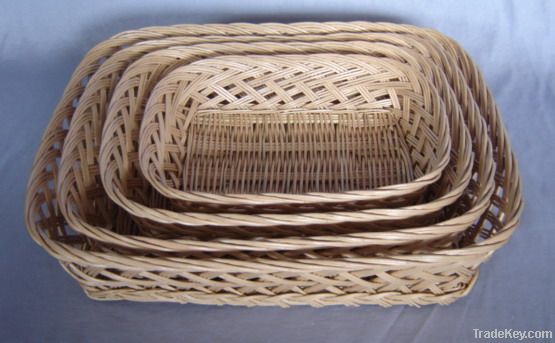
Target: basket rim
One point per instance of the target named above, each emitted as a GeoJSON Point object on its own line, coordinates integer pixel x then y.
{"type": "Point", "coordinates": [321, 299]}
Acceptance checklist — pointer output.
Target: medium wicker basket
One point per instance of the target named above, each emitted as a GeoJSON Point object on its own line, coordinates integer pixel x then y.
{"type": "Point", "coordinates": [149, 239]}
{"type": "Point", "coordinates": [422, 124]}
{"type": "Point", "coordinates": [77, 210]}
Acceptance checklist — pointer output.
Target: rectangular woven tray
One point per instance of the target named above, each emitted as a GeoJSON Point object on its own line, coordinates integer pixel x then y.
{"type": "Point", "coordinates": [287, 124]}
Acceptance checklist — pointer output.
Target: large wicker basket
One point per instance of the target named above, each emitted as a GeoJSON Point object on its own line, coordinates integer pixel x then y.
{"type": "Point", "coordinates": [410, 233]}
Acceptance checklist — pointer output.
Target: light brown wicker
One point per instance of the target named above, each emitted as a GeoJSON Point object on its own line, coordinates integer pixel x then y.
{"type": "Point", "coordinates": [114, 143]}
{"type": "Point", "coordinates": [76, 210]}
{"type": "Point", "coordinates": [334, 276]}
{"type": "Point", "coordinates": [270, 129]}
{"type": "Point", "coordinates": [81, 222]}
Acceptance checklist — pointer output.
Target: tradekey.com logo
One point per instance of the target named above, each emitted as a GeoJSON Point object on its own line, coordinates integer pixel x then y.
{"type": "Point", "coordinates": [512, 334]}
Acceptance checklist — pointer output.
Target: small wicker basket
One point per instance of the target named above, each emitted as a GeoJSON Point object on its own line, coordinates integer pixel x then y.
{"type": "Point", "coordinates": [332, 126]}
{"type": "Point", "coordinates": [118, 252]}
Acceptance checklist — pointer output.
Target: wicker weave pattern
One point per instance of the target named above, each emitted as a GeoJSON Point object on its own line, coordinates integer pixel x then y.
{"type": "Point", "coordinates": [187, 244]}
{"type": "Point", "coordinates": [286, 151]}
{"type": "Point", "coordinates": [144, 242]}
{"type": "Point", "coordinates": [312, 143]}
{"type": "Point", "coordinates": [115, 126]}
{"type": "Point", "coordinates": [126, 112]}
{"type": "Point", "coordinates": [109, 272]}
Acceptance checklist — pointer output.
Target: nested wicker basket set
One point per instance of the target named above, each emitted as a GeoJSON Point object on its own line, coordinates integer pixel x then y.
{"type": "Point", "coordinates": [275, 164]}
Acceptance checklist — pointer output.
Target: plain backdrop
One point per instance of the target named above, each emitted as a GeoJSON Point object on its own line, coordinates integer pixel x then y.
{"type": "Point", "coordinates": [41, 42]}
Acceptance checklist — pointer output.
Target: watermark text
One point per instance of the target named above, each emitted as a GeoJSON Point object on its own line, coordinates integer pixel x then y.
{"type": "Point", "coordinates": [512, 334]}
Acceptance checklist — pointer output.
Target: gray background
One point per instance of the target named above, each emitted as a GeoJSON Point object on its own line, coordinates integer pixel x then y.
{"type": "Point", "coordinates": [41, 42]}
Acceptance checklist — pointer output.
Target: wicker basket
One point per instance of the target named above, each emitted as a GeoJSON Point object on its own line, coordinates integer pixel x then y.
{"type": "Point", "coordinates": [414, 274]}
{"type": "Point", "coordinates": [270, 129]}
{"type": "Point", "coordinates": [426, 121]}
{"type": "Point", "coordinates": [80, 210]}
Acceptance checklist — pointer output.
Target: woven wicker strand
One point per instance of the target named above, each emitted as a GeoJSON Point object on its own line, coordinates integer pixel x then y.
{"type": "Point", "coordinates": [443, 275]}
